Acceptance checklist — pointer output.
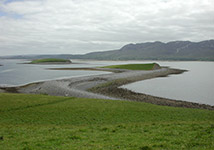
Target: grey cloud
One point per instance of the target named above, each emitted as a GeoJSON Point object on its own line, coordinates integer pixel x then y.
{"type": "Point", "coordinates": [79, 26]}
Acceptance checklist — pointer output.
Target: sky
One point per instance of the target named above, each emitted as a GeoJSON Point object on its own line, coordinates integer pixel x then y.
{"type": "Point", "coordinates": [83, 26]}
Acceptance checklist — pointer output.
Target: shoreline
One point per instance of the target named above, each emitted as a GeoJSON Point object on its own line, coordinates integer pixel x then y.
{"type": "Point", "coordinates": [105, 86]}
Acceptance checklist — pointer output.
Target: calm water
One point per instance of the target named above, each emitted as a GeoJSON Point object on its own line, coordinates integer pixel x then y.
{"type": "Point", "coordinates": [196, 85]}
{"type": "Point", "coordinates": [14, 72]}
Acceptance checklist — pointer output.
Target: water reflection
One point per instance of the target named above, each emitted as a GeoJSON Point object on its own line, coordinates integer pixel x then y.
{"type": "Point", "coordinates": [196, 85]}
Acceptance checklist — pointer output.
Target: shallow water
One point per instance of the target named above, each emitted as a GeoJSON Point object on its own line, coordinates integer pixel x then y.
{"type": "Point", "coordinates": [196, 85]}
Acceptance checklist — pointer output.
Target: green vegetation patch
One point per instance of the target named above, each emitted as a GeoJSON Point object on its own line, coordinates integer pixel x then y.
{"type": "Point", "coordinates": [48, 122]}
{"type": "Point", "coordinates": [50, 60]}
{"type": "Point", "coordinates": [133, 66]}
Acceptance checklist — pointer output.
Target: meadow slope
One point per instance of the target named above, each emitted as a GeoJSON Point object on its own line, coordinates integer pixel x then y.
{"type": "Point", "coordinates": [50, 122]}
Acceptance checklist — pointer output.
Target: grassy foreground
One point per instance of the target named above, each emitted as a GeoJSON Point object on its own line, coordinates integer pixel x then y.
{"type": "Point", "coordinates": [133, 66]}
{"type": "Point", "coordinates": [46, 122]}
{"type": "Point", "coordinates": [50, 60]}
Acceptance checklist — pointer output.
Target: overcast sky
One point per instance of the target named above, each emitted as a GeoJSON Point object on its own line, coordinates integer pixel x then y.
{"type": "Point", "coordinates": [82, 26]}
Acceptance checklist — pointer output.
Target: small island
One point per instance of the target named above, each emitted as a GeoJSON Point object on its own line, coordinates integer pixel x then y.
{"type": "Point", "coordinates": [51, 61]}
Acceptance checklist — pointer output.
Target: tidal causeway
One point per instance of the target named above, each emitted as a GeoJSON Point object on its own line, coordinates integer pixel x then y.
{"type": "Point", "coordinates": [106, 86]}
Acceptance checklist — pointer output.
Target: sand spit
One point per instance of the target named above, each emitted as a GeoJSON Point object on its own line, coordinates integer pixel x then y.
{"type": "Point", "coordinates": [105, 86]}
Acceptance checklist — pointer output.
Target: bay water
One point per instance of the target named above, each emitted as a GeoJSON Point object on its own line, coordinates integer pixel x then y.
{"type": "Point", "coordinates": [196, 85]}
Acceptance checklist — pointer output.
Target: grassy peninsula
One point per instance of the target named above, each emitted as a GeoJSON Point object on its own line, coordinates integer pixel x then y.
{"type": "Point", "coordinates": [149, 66]}
{"type": "Point", "coordinates": [48, 122]}
{"type": "Point", "coordinates": [51, 61]}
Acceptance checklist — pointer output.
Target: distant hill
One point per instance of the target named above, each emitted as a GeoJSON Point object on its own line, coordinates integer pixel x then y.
{"type": "Point", "coordinates": [175, 50]}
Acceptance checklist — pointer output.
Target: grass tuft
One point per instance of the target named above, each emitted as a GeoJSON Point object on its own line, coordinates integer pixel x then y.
{"type": "Point", "coordinates": [134, 66]}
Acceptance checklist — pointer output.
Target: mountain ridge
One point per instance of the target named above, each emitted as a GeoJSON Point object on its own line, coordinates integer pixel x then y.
{"type": "Point", "coordinates": [173, 50]}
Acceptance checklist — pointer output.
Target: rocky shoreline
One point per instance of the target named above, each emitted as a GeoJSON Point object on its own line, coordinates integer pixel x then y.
{"type": "Point", "coordinates": [105, 86]}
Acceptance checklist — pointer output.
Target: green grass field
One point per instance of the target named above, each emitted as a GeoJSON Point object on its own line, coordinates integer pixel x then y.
{"type": "Point", "coordinates": [29, 122]}
{"type": "Point", "coordinates": [133, 66]}
{"type": "Point", "coordinates": [49, 60]}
